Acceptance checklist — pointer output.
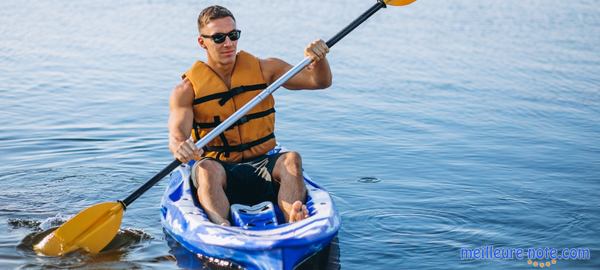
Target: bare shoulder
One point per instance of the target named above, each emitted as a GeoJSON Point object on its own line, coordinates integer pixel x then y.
{"type": "Point", "coordinates": [184, 86]}
{"type": "Point", "coordinates": [272, 68]}
{"type": "Point", "coordinates": [183, 93]}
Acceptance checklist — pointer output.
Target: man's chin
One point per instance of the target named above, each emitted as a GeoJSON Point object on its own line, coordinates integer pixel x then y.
{"type": "Point", "coordinates": [228, 60]}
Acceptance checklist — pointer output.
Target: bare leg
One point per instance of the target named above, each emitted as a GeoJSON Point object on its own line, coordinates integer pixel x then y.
{"type": "Point", "coordinates": [292, 191]}
{"type": "Point", "coordinates": [212, 181]}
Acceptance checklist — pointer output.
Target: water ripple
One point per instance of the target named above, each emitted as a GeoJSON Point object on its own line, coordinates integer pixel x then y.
{"type": "Point", "coordinates": [401, 222]}
{"type": "Point", "coordinates": [369, 179]}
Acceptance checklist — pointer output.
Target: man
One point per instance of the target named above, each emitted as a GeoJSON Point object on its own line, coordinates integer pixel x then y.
{"type": "Point", "coordinates": [234, 167]}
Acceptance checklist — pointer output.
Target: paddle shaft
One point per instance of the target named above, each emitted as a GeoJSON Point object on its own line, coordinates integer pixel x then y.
{"type": "Point", "coordinates": [160, 175]}
{"type": "Point", "coordinates": [252, 103]}
{"type": "Point", "coordinates": [379, 5]}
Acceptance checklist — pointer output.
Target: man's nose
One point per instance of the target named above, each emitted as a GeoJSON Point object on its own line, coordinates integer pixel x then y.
{"type": "Point", "coordinates": [227, 42]}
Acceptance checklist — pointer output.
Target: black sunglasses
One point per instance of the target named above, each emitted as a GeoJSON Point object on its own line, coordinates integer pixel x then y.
{"type": "Point", "coordinates": [220, 37]}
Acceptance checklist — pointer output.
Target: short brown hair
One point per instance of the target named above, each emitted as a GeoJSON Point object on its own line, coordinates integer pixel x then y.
{"type": "Point", "coordinates": [212, 13]}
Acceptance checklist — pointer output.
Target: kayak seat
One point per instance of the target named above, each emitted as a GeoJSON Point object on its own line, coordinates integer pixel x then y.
{"type": "Point", "coordinates": [259, 216]}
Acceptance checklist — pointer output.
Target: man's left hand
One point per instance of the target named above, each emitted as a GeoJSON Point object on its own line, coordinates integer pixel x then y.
{"type": "Point", "coordinates": [316, 51]}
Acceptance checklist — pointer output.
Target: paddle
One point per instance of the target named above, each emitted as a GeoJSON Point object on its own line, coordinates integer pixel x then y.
{"type": "Point", "coordinates": [93, 228]}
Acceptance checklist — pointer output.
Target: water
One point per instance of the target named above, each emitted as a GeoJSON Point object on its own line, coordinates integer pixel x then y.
{"type": "Point", "coordinates": [450, 124]}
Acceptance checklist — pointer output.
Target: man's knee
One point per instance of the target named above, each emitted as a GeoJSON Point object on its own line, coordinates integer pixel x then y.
{"type": "Point", "coordinates": [289, 167]}
{"type": "Point", "coordinates": [292, 160]}
{"type": "Point", "coordinates": [210, 172]}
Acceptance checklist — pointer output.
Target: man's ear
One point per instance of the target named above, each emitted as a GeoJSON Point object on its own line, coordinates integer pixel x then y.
{"type": "Point", "coordinates": [201, 42]}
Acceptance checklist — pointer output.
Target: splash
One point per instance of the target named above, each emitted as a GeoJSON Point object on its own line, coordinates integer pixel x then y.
{"type": "Point", "coordinates": [37, 225]}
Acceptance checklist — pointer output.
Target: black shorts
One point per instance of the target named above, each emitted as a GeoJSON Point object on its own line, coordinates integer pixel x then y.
{"type": "Point", "coordinates": [249, 182]}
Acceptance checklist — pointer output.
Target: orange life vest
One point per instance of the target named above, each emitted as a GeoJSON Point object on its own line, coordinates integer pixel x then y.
{"type": "Point", "coordinates": [252, 135]}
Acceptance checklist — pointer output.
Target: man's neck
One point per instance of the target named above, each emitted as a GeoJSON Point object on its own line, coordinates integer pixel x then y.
{"type": "Point", "coordinates": [224, 71]}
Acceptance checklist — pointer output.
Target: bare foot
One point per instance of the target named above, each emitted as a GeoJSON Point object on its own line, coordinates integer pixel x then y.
{"type": "Point", "coordinates": [219, 220]}
{"type": "Point", "coordinates": [298, 212]}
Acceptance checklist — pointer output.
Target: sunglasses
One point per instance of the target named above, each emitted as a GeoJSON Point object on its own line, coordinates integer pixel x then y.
{"type": "Point", "coordinates": [220, 37]}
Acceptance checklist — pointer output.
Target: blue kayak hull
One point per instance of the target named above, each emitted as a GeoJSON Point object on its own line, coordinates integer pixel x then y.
{"type": "Point", "coordinates": [281, 247]}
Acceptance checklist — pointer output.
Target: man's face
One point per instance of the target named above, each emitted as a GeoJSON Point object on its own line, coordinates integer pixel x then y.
{"type": "Point", "coordinates": [223, 53]}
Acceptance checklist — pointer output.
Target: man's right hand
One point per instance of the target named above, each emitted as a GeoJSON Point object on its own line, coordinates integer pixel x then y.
{"type": "Point", "coordinates": [187, 150]}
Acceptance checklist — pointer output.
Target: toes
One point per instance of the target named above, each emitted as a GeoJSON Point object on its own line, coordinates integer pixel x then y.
{"type": "Point", "coordinates": [297, 206]}
{"type": "Point", "coordinates": [298, 212]}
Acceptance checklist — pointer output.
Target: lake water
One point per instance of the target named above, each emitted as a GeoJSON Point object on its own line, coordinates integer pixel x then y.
{"type": "Point", "coordinates": [449, 125]}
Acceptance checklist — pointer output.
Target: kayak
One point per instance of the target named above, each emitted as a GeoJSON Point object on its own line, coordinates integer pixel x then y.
{"type": "Point", "coordinates": [258, 238]}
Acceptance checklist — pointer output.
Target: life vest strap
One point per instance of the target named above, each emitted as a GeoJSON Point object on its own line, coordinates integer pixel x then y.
{"type": "Point", "coordinates": [240, 147]}
{"type": "Point", "coordinates": [227, 95]}
{"type": "Point", "coordinates": [223, 139]}
{"type": "Point", "coordinates": [244, 119]}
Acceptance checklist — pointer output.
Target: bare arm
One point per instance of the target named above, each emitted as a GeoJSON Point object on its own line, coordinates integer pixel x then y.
{"type": "Point", "coordinates": [316, 76]}
{"type": "Point", "coordinates": [181, 117]}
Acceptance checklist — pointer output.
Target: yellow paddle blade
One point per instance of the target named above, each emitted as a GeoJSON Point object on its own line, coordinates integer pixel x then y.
{"type": "Point", "coordinates": [398, 2]}
{"type": "Point", "coordinates": [91, 230]}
